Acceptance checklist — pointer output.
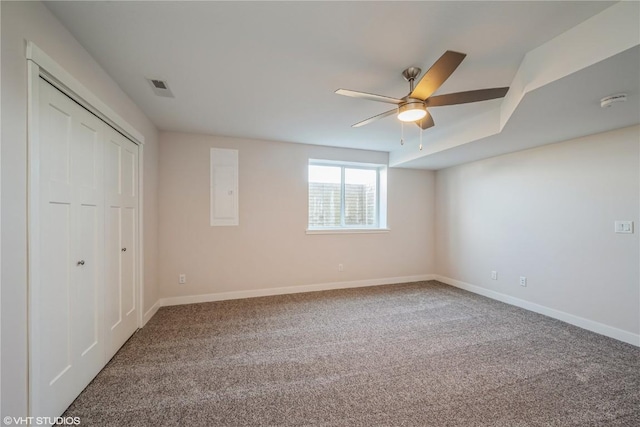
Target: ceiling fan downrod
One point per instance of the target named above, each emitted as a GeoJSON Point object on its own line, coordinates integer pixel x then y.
{"type": "Point", "coordinates": [410, 75]}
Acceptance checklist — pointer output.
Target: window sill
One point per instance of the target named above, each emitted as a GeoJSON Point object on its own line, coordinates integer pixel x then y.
{"type": "Point", "coordinates": [348, 231]}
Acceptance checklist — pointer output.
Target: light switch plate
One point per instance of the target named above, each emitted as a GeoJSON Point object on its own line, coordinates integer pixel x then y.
{"type": "Point", "coordinates": [624, 227]}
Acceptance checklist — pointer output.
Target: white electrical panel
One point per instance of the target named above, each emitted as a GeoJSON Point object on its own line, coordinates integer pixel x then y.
{"type": "Point", "coordinates": [224, 187]}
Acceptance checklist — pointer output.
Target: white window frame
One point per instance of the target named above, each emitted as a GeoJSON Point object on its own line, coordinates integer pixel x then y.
{"type": "Point", "coordinates": [380, 225]}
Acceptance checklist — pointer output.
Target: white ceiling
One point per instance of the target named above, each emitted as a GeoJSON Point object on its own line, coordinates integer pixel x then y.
{"type": "Point", "coordinates": [565, 109]}
{"type": "Point", "coordinates": [268, 70]}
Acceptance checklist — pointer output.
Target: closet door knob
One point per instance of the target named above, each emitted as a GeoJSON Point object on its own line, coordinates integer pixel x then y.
{"type": "Point", "coordinates": [124, 249]}
{"type": "Point", "coordinates": [81, 262]}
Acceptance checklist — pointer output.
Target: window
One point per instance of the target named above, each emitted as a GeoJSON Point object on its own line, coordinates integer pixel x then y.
{"type": "Point", "coordinates": [346, 196]}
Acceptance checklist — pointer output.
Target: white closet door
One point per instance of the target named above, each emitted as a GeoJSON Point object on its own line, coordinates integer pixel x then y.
{"type": "Point", "coordinates": [66, 293]}
{"type": "Point", "coordinates": [121, 169]}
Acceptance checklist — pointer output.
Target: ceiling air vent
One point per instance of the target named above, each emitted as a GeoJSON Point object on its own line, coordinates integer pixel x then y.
{"type": "Point", "coordinates": [160, 88]}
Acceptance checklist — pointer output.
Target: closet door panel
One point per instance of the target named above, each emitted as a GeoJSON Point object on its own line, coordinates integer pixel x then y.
{"type": "Point", "coordinates": [67, 342]}
{"type": "Point", "coordinates": [55, 171]}
{"type": "Point", "coordinates": [129, 175]}
{"type": "Point", "coordinates": [56, 140]}
{"type": "Point", "coordinates": [113, 282]}
{"type": "Point", "coordinates": [122, 202]}
{"type": "Point", "coordinates": [83, 287]}
{"type": "Point", "coordinates": [54, 297]}
{"type": "Point", "coordinates": [88, 186]}
{"type": "Point", "coordinates": [87, 177]}
{"type": "Point", "coordinates": [88, 283]}
{"type": "Point", "coordinates": [87, 161]}
{"type": "Point", "coordinates": [112, 172]}
{"type": "Point", "coordinates": [129, 231]}
{"type": "Point", "coordinates": [129, 219]}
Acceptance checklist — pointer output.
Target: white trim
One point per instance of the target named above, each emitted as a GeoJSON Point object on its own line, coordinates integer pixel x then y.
{"type": "Point", "coordinates": [347, 230]}
{"type": "Point", "coordinates": [151, 312]}
{"type": "Point", "coordinates": [341, 163]}
{"type": "Point", "coordinates": [381, 196]}
{"type": "Point", "coordinates": [140, 236]}
{"type": "Point", "coordinates": [581, 322]}
{"type": "Point", "coordinates": [33, 220]}
{"type": "Point", "coordinates": [0, 228]}
{"type": "Point", "coordinates": [76, 90]}
{"type": "Point", "coordinates": [222, 296]}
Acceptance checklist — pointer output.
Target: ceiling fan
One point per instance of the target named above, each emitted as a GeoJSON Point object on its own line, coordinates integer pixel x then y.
{"type": "Point", "coordinates": [413, 107]}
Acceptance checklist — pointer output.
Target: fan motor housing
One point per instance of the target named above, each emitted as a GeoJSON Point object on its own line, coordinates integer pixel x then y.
{"type": "Point", "coordinates": [412, 102]}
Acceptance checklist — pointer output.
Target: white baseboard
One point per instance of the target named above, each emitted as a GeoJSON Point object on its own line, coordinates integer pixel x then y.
{"type": "Point", "coordinates": [581, 322]}
{"type": "Point", "coordinates": [221, 296]}
{"type": "Point", "coordinates": [150, 313]}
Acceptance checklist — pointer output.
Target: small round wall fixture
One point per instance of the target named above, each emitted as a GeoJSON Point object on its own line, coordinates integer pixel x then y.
{"type": "Point", "coordinates": [608, 101]}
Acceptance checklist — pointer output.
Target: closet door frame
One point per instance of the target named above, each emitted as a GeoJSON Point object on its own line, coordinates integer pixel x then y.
{"type": "Point", "coordinates": [40, 65]}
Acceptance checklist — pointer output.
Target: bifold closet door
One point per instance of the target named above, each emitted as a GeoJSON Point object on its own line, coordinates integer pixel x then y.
{"type": "Point", "coordinates": [121, 176]}
{"type": "Point", "coordinates": [67, 303]}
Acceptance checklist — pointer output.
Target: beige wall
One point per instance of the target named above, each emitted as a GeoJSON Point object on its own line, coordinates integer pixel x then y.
{"type": "Point", "coordinates": [548, 214]}
{"type": "Point", "coordinates": [545, 213]}
{"type": "Point", "coordinates": [270, 247]}
{"type": "Point", "coordinates": [32, 21]}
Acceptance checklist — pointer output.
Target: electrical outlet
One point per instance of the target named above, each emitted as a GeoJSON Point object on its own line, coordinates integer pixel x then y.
{"type": "Point", "coordinates": [494, 275]}
{"type": "Point", "coordinates": [182, 279]}
{"type": "Point", "coordinates": [523, 281]}
{"type": "Point", "coordinates": [340, 267]}
{"type": "Point", "coordinates": [624, 227]}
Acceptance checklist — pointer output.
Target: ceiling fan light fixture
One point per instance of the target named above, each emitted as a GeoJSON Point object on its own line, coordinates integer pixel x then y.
{"type": "Point", "coordinates": [412, 111]}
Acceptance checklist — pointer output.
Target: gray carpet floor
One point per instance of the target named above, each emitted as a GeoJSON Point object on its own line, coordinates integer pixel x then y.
{"type": "Point", "coordinates": [419, 354]}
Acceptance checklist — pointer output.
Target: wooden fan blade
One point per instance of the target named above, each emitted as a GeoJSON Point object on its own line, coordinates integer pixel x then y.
{"type": "Point", "coordinates": [374, 118]}
{"type": "Point", "coordinates": [466, 97]}
{"type": "Point", "coordinates": [426, 122]}
{"type": "Point", "coordinates": [369, 96]}
{"type": "Point", "coordinates": [437, 74]}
